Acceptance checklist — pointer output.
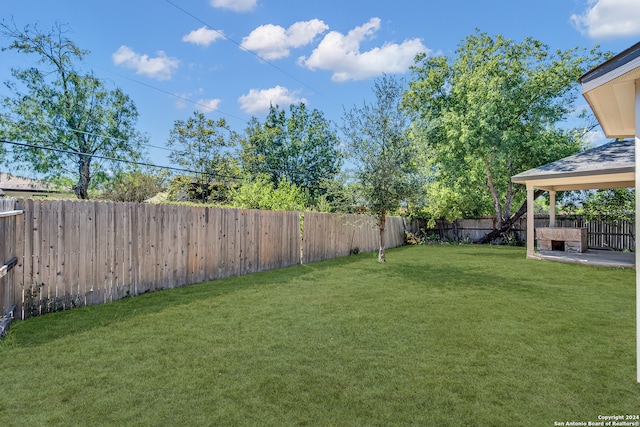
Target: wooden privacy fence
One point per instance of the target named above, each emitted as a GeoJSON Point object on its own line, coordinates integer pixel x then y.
{"type": "Point", "coordinates": [600, 234]}
{"type": "Point", "coordinates": [328, 236]}
{"type": "Point", "coordinates": [75, 253]}
{"type": "Point", "coordinates": [78, 253]}
{"type": "Point", "coordinates": [616, 235]}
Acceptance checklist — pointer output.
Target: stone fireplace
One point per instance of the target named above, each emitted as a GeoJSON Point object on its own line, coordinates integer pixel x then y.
{"type": "Point", "coordinates": [562, 239]}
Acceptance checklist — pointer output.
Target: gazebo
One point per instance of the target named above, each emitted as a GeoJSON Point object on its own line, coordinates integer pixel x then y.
{"type": "Point", "coordinates": [613, 92]}
{"type": "Point", "coordinates": [608, 166]}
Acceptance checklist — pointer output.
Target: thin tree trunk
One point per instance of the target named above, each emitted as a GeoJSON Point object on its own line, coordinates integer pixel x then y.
{"type": "Point", "coordinates": [381, 223]}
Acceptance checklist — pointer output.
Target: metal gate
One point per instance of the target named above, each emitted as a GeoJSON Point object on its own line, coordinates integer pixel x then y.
{"type": "Point", "coordinates": [11, 224]}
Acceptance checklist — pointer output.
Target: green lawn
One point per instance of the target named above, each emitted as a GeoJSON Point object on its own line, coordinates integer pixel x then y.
{"type": "Point", "coordinates": [437, 336]}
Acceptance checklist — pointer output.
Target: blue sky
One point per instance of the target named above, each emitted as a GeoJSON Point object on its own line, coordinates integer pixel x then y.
{"type": "Point", "coordinates": [232, 58]}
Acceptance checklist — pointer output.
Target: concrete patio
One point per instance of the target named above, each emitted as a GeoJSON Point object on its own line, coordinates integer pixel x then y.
{"type": "Point", "coordinates": [600, 258]}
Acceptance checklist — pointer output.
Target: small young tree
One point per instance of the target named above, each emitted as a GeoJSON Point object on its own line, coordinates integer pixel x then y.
{"type": "Point", "coordinates": [380, 146]}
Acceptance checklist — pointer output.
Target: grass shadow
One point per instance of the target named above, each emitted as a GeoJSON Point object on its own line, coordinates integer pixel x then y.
{"type": "Point", "coordinates": [42, 329]}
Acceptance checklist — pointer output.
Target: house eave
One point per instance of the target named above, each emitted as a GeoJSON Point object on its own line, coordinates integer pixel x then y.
{"type": "Point", "coordinates": [581, 182]}
{"type": "Point", "coordinates": [610, 91]}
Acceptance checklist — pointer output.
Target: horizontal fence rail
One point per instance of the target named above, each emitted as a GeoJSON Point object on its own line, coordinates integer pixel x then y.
{"type": "Point", "coordinates": [74, 253]}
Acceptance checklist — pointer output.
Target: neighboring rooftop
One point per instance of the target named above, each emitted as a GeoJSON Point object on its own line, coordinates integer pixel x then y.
{"type": "Point", "coordinates": [18, 186]}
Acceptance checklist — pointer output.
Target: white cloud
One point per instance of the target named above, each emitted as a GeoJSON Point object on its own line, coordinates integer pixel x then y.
{"type": "Point", "coordinates": [303, 32]}
{"type": "Point", "coordinates": [202, 36]}
{"type": "Point", "coordinates": [595, 137]}
{"type": "Point", "coordinates": [259, 100]}
{"type": "Point", "coordinates": [208, 105]}
{"type": "Point", "coordinates": [341, 54]}
{"type": "Point", "coordinates": [235, 5]}
{"type": "Point", "coordinates": [609, 19]}
{"type": "Point", "coordinates": [181, 104]}
{"type": "Point", "coordinates": [161, 67]}
{"type": "Point", "coordinates": [204, 105]}
{"type": "Point", "coordinates": [273, 41]}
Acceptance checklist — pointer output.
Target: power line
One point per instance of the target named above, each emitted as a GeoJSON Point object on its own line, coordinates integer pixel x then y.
{"type": "Point", "coordinates": [166, 92]}
{"type": "Point", "coordinates": [114, 159]}
{"type": "Point", "coordinates": [249, 51]}
{"type": "Point", "coordinates": [151, 87]}
{"type": "Point", "coordinates": [103, 157]}
{"type": "Point", "coordinates": [113, 138]}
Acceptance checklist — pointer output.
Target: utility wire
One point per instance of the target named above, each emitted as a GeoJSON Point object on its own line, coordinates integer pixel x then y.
{"type": "Point", "coordinates": [166, 92]}
{"type": "Point", "coordinates": [112, 138]}
{"type": "Point", "coordinates": [114, 159]}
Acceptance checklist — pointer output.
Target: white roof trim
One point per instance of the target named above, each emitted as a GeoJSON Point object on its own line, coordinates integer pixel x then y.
{"type": "Point", "coordinates": [632, 68]}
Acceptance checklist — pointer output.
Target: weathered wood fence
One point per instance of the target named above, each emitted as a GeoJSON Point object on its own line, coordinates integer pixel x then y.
{"type": "Point", "coordinates": [56, 255]}
{"type": "Point", "coordinates": [76, 253]}
{"type": "Point", "coordinates": [600, 234]}
{"type": "Point", "coordinates": [327, 236]}
{"type": "Point", "coordinates": [616, 235]}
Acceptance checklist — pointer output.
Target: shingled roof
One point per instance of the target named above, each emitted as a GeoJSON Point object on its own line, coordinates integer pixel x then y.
{"type": "Point", "coordinates": [610, 90]}
{"type": "Point", "coordinates": [611, 165]}
{"type": "Point", "coordinates": [14, 185]}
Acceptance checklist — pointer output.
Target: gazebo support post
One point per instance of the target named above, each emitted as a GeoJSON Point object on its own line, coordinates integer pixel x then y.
{"type": "Point", "coordinates": [552, 208]}
{"type": "Point", "coordinates": [530, 222]}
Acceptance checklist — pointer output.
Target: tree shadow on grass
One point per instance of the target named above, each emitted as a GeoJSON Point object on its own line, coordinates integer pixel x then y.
{"type": "Point", "coordinates": [42, 329]}
{"type": "Point", "coordinates": [403, 267]}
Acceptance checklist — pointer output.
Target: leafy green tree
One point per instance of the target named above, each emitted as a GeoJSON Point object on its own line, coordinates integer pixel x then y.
{"type": "Point", "coordinates": [301, 149]}
{"type": "Point", "coordinates": [491, 112]}
{"type": "Point", "coordinates": [382, 150]}
{"type": "Point", "coordinates": [342, 195]}
{"type": "Point", "coordinates": [611, 205]}
{"type": "Point", "coordinates": [68, 122]}
{"type": "Point", "coordinates": [204, 146]}
{"type": "Point", "coordinates": [261, 193]}
{"type": "Point", "coordinates": [132, 186]}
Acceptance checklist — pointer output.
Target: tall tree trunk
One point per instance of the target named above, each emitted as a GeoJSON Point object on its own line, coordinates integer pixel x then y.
{"type": "Point", "coordinates": [511, 192]}
{"type": "Point", "coordinates": [381, 224]}
{"type": "Point", "coordinates": [506, 225]}
{"type": "Point", "coordinates": [81, 189]}
{"type": "Point", "coordinates": [494, 194]}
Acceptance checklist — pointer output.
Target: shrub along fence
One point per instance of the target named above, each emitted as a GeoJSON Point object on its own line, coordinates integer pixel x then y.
{"type": "Point", "coordinates": [75, 253]}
